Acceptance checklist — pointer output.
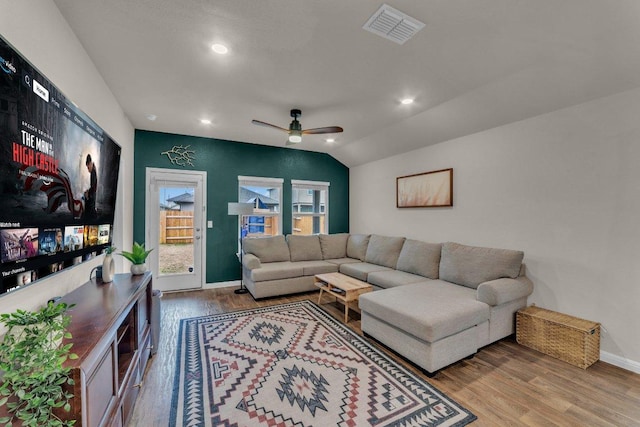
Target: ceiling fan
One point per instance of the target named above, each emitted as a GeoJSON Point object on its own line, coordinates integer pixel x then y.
{"type": "Point", "coordinates": [295, 130]}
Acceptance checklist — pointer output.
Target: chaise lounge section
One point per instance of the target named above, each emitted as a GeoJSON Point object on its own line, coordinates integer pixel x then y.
{"type": "Point", "coordinates": [437, 322]}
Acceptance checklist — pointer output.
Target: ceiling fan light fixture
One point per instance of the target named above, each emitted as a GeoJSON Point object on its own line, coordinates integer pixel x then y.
{"type": "Point", "coordinates": [220, 49]}
{"type": "Point", "coordinates": [295, 136]}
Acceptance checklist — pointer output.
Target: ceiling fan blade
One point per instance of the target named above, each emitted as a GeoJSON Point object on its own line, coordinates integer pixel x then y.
{"type": "Point", "coordinates": [269, 125]}
{"type": "Point", "coordinates": [328, 129]}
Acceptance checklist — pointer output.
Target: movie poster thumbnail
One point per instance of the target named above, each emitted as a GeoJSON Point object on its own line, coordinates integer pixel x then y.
{"type": "Point", "coordinates": [103, 234]}
{"type": "Point", "coordinates": [21, 279]}
{"type": "Point", "coordinates": [90, 235]}
{"type": "Point", "coordinates": [25, 278]}
{"type": "Point", "coordinates": [18, 243]}
{"type": "Point", "coordinates": [56, 266]}
{"type": "Point", "coordinates": [73, 238]}
{"type": "Point", "coordinates": [51, 241]}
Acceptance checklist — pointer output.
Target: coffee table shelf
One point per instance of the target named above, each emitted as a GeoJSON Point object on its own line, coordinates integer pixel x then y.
{"type": "Point", "coordinates": [344, 288]}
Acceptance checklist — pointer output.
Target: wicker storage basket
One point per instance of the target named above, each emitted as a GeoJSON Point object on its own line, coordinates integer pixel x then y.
{"type": "Point", "coordinates": [568, 338]}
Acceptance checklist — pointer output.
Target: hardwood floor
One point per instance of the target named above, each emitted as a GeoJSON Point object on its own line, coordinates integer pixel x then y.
{"type": "Point", "coordinates": [503, 384]}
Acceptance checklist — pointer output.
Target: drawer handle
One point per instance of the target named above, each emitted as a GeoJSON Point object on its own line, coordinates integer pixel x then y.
{"type": "Point", "coordinates": [139, 385]}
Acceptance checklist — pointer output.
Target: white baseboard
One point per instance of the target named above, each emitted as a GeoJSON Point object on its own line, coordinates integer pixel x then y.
{"type": "Point", "coordinates": [216, 285]}
{"type": "Point", "coordinates": [620, 362]}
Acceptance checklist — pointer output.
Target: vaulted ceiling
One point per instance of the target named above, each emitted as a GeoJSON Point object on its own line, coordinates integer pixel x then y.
{"type": "Point", "coordinates": [476, 64]}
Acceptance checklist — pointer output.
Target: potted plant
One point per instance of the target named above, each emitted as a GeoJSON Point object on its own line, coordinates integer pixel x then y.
{"type": "Point", "coordinates": [137, 256]}
{"type": "Point", "coordinates": [35, 384]}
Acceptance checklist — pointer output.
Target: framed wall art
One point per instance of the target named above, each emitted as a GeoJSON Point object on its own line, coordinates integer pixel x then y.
{"type": "Point", "coordinates": [425, 190]}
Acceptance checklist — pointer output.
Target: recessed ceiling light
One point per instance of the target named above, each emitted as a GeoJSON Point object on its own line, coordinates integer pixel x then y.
{"type": "Point", "coordinates": [330, 140]}
{"type": "Point", "coordinates": [220, 48]}
{"type": "Point", "coordinates": [152, 117]}
{"type": "Point", "coordinates": [205, 121]}
{"type": "Point", "coordinates": [407, 101]}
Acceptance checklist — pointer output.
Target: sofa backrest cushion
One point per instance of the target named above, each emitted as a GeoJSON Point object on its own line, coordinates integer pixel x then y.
{"type": "Point", "coordinates": [334, 246]}
{"type": "Point", "coordinates": [420, 258]}
{"type": "Point", "coordinates": [384, 250]}
{"type": "Point", "coordinates": [304, 248]}
{"type": "Point", "coordinates": [471, 265]}
{"type": "Point", "coordinates": [267, 249]}
{"type": "Point", "coordinates": [357, 246]}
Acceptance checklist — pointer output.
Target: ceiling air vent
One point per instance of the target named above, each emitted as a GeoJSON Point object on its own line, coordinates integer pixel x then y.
{"type": "Point", "coordinates": [392, 24]}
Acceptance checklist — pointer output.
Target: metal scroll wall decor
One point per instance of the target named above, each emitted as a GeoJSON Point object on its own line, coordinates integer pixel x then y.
{"type": "Point", "coordinates": [180, 155]}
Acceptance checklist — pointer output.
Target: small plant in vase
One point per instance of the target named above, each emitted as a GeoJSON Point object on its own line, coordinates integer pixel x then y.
{"type": "Point", "coordinates": [35, 384]}
{"type": "Point", "coordinates": [138, 257]}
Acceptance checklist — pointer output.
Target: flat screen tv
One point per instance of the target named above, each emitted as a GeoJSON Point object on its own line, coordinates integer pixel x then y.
{"type": "Point", "coordinates": [58, 177]}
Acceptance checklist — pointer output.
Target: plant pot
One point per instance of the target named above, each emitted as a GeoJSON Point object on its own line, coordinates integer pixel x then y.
{"type": "Point", "coordinates": [137, 269]}
{"type": "Point", "coordinates": [108, 268]}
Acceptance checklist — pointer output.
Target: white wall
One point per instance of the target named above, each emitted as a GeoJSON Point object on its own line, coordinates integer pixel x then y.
{"type": "Point", "coordinates": [563, 187]}
{"type": "Point", "coordinates": [38, 31]}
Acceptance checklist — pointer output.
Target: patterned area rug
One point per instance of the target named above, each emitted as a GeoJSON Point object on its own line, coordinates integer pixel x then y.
{"type": "Point", "coordinates": [295, 365]}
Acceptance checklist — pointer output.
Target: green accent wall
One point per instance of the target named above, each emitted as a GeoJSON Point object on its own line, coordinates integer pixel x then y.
{"type": "Point", "coordinates": [224, 161]}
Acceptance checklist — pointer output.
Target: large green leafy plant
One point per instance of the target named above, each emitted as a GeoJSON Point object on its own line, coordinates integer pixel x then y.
{"type": "Point", "coordinates": [34, 383]}
{"type": "Point", "coordinates": [138, 254]}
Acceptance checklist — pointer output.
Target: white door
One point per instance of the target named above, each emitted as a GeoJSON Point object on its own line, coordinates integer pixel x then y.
{"type": "Point", "coordinates": [175, 214]}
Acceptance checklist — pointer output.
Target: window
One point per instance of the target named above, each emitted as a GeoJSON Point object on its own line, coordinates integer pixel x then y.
{"type": "Point", "coordinates": [310, 207]}
{"type": "Point", "coordinates": [265, 195]}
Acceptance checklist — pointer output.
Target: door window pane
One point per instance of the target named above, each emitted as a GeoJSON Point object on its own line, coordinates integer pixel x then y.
{"type": "Point", "coordinates": [176, 246]}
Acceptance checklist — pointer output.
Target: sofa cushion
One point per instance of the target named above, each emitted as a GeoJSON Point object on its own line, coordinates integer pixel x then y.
{"type": "Point", "coordinates": [429, 311]}
{"type": "Point", "coordinates": [250, 261]}
{"type": "Point", "coordinates": [340, 261]}
{"type": "Point", "coordinates": [357, 246]}
{"type": "Point", "coordinates": [420, 258]}
{"type": "Point", "coordinates": [472, 265]}
{"type": "Point", "coordinates": [311, 268]}
{"type": "Point", "coordinates": [268, 249]}
{"type": "Point", "coordinates": [304, 248]}
{"type": "Point", "coordinates": [501, 291]}
{"type": "Point", "coordinates": [276, 270]}
{"type": "Point", "coordinates": [334, 246]}
{"type": "Point", "coordinates": [360, 270]}
{"type": "Point", "coordinates": [384, 250]}
{"type": "Point", "coordinates": [391, 278]}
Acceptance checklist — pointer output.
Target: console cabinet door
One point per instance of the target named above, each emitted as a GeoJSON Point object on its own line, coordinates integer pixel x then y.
{"type": "Point", "coordinates": [130, 393]}
{"type": "Point", "coordinates": [145, 352]}
{"type": "Point", "coordinates": [101, 389]}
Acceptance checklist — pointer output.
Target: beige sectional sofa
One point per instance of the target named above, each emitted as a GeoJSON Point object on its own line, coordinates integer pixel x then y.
{"type": "Point", "coordinates": [435, 304]}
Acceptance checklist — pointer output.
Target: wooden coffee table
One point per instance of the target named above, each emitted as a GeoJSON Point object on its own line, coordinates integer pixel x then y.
{"type": "Point", "coordinates": [344, 288]}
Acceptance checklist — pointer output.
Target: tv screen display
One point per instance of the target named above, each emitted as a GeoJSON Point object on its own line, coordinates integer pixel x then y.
{"type": "Point", "coordinates": [58, 177]}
